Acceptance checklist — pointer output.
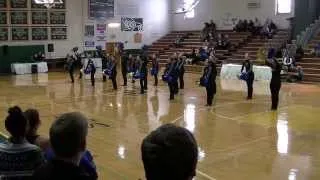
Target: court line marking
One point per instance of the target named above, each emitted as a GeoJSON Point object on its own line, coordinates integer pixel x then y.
{"type": "Point", "coordinates": [205, 175]}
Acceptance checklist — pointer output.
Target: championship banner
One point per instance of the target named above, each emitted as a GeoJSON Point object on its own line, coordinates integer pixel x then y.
{"type": "Point", "coordinates": [39, 17]}
{"type": "Point", "coordinates": [19, 17]}
{"type": "Point", "coordinates": [3, 17]}
{"type": "Point", "coordinates": [58, 33]}
{"type": "Point", "coordinates": [39, 33]}
{"type": "Point", "coordinates": [20, 33]}
{"type": "Point", "coordinates": [101, 9]}
{"type": "Point", "coordinates": [19, 3]}
{"type": "Point", "coordinates": [57, 17]}
{"type": "Point", "coordinates": [3, 4]}
{"type": "Point", "coordinates": [131, 24]}
{"type": "Point", "coordinates": [4, 33]}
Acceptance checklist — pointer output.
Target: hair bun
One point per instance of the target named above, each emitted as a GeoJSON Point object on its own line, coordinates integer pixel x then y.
{"type": "Point", "coordinates": [15, 111]}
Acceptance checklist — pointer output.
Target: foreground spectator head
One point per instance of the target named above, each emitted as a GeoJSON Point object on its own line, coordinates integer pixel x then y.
{"type": "Point", "coordinates": [33, 118]}
{"type": "Point", "coordinates": [16, 123]}
{"type": "Point", "coordinates": [170, 153]}
{"type": "Point", "coordinates": [18, 158]}
{"type": "Point", "coordinates": [68, 136]}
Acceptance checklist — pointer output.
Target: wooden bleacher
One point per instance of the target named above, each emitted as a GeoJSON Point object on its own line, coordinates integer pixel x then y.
{"type": "Point", "coordinates": [243, 41]}
{"type": "Point", "coordinates": [310, 63]}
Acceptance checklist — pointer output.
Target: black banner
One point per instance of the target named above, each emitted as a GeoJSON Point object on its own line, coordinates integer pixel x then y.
{"type": "Point", "coordinates": [3, 3]}
{"type": "Point", "coordinates": [4, 34]}
{"type": "Point", "coordinates": [20, 33]}
{"type": "Point", "coordinates": [58, 33]}
{"type": "Point", "coordinates": [57, 17]}
{"type": "Point", "coordinates": [39, 33]}
{"type": "Point", "coordinates": [131, 24]}
{"type": "Point", "coordinates": [19, 3]}
{"type": "Point", "coordinates": [39, 17]}
{"type": "Point", "coordinates": [3, 17]}
{"type": "Point", "coordinates": [19, 17]}
{"type": "Point", "coordinates": [101, 9]}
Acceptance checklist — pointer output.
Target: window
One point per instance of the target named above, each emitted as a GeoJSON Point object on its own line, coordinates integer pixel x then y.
{"type": "Point", "coordinates": [188, 5]}
{"type": "Point", "coordinates": [283, 6]}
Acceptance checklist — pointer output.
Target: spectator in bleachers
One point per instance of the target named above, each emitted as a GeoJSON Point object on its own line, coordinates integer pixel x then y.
{"type": "Point", "coordinates": [268, 29]}
{"type": "Point", "coordinates": [239, 26]}
{"type": "Point", "coordinates": [261, 55]}
{"type": "Point", "coordinates": [257, 26]}
{"type": "Point", "coordinates": [170, 153]}
{"type": "Point", "coordinates": [299, 53]}
{"type": "Point", "coordinates": [178, 42]}
{"type": "Point", "coordinates": [245, 26]}
{"type": "Point", "coordinates": [317, 50]}
{"type": "Point", "coordinates": [251, 27]}
{"type": "Point", "coordinates": [34, 123]}
{"type": "Point", "coordinates": [223, 42]}
{"type": "Point", "coordinates": [68, 140]}
{"type": "Point", "coordinates": [205, 31]}
{"type": "Point", "coordinates": [18, 158]}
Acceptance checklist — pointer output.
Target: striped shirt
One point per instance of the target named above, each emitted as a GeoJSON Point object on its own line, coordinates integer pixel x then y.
{"type": "Point", "coordinates": [20, 159]}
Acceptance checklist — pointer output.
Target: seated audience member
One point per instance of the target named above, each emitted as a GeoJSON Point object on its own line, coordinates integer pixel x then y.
{"type": "Point", "coordinates": [239, 26]}
{"type": "Point", "coordinates": [317, 50]}
{"type": "Point", "coordinates": [32, 135]}
{"type": "Point", "coordinates": [245, 25]}
{"type": "Point", "coordinates": [295, 75]}
{"type": "Point", "coordinates": [18, 158]}
{"type": "Point", "coordinates": [261, 55]}
{"type": "Point", "coordinates": [222, 42]}
{"type": "Point", "coordinates": [205, 31]}
{"type": "Point", "coordinates": [170, 153]}
{"type": "Point", "coordinates": [178, 41]}
{"type": "Point", "coordinates": [251, 27]}
{"type": "Point", "coordinates": [68, 140]}
{"type": "Point", "coordinates": [196, 58]}
{"type": "Point", "coordinates": [257, 26]}
{"type": "Point", "coordinates": [299, 53]}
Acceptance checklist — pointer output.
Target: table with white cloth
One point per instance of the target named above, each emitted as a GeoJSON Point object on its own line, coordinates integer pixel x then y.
{"type": "Point", "coordinates": [232, 71]}
{"type": "Point", "coordinates": [97, 63]}
{"type": "Point", "coordinates": [25, 68]}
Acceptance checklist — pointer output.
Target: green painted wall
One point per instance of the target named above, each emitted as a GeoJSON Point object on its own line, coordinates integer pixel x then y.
{"type": "Point", "coordinates": [17, 54]}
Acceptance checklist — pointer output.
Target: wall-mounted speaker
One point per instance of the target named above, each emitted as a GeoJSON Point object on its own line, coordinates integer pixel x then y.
{"type": "Point", "coordinates": [50, 48]}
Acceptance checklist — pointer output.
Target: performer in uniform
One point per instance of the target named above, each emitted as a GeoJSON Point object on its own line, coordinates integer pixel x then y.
{"type": "Point", "coordinates": [124, 68]}
{"type": "Point", "coordinates": [155, 68]}
{"type": "Point", "coordinates": [77, 60]}
{"type": "Point", "coordinates": [113, 67]}
{"type": "Point", "coordinates": [90, 69]}
{"type": "Point", "coordinates": [70, 66]}
{"type": "Point", "coordinates": [171, 76]}
{"type": "Point", "coordinates": [105, 62]}
{"type": "Point", "coordinates": [145, 78]}
{"type": "Point", "coordinates": [275, 84]}
{"type": "Point", "coordinates": [143, 74]}
{"type": "Point", "coordinates": [180, 68]}
{"type": "Point", "coordinates": [208, 80]}
{"type": "Point", "coordinates": [248, 66]}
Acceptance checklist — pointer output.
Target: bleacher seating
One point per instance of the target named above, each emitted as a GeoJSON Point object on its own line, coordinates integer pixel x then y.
{"type": "Point", "coordinates": [243, 41]}
{"type": "Point", "coordinates": [310, 63]}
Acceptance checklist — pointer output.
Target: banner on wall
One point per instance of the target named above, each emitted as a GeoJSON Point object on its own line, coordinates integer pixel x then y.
{"type": "Point", "coordinates": [4, 34]}
{"type": "Point", "coordinates": [89, 43]}
{"type": "Point", "coordinates": [3, 17]}
{"type": "Point", "coordinates": [3, 4]}
{"type": "Point", "coordinates": [131, 24]}
{"type": "Point", "coordinates": [137, 38]}
{"type": "Point", "coordinates": [101, 32]}
{"type": "Point", "coordinates": [101, 9]}
{"type": "Point", "coordinates": [89, 30]}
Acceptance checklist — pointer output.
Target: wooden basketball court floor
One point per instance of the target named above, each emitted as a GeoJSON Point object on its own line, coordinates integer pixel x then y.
{"type": "Point", "coordinates": [238, 139]}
